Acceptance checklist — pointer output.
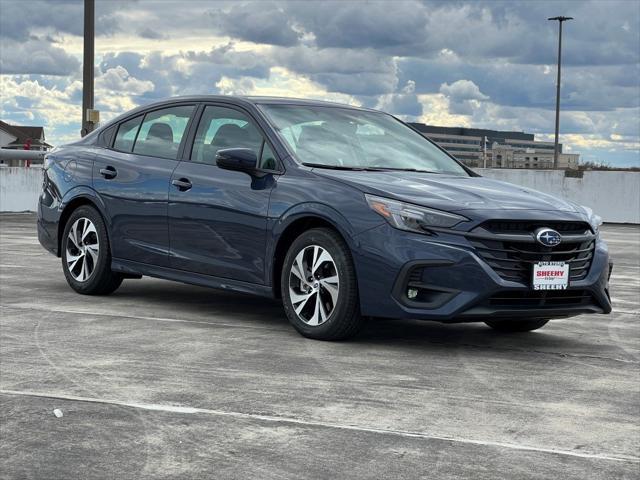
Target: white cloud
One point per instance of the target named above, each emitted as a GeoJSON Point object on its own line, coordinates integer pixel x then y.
{"type": "Point", "coordinates": [579, 142]}
{"type": "Point", "coordinates": [281, 83]}
{"type": "Point", "coordinates": [436, 111]}
{"type": "Point", "coordinates": [117, 80]}
{"type": "Point", "coordinates": [404, 104]}
{"type": "Point", "coordinates": [462, 90]}
{"type": "Point", "coordinates": [51, 104]}
{"type": "Point", "coordinates": [464, 96]}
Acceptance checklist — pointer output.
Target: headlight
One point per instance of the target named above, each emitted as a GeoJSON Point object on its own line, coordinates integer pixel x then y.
{"type": "Point", "coordinates": [413, 218]}
{"type": "Point", "coordinates": [594, 220]}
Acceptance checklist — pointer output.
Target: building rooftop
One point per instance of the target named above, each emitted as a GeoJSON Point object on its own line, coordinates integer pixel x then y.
{"type": "Point", "coordinates": [473, 132]}
{"type": "Point", "coordinates": [24, 134]}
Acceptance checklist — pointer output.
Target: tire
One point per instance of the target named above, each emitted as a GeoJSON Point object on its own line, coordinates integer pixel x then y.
{"type": "Point", "coordinates": [514, 326]}
{"type": "Point", "coordinates": [86, 258]}
{"type": "Point", "coordinates": [336, 285]}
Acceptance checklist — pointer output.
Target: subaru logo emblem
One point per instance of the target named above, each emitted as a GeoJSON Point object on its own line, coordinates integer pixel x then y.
{"type": "Point", "coordinates": [548, 237]}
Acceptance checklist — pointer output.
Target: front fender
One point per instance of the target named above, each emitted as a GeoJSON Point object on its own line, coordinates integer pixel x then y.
{"type": "Point", "coordinates": [278, 226]}
{"type": "Point", "coordinates": [317, 210]}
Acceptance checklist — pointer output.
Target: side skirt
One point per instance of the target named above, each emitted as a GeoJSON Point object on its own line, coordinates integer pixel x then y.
{"type": "Point", "coordinates": [130, 267]}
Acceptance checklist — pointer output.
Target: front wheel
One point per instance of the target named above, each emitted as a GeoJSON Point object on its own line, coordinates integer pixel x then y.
{"type": "Point", "coordinates": [86, 257]}
{"type": "Point", "coordinates": [319, 286]}
{"type": "Point", "coordinates": [513, 326]}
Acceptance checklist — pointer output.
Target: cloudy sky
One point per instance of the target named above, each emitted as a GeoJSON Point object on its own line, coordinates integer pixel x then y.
{"type": "Point", "coordinates": [460, 63]}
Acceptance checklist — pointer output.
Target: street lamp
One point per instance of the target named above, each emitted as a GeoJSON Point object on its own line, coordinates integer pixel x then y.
{"type": "Point", "coordinates": [555, 150]}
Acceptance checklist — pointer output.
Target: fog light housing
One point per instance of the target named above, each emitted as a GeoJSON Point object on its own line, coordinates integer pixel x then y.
{"type": "Point", "coordinates": [412, 293]}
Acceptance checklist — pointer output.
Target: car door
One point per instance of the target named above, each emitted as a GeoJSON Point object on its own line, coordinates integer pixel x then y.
{"type": "Point", "coordinates": [218, 218]}
{"type": "Point", "coordinates": [132, 177]}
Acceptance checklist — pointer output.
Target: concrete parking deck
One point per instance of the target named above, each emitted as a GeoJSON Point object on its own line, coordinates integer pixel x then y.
{"type": "Point", "coordinates": [173, 381]}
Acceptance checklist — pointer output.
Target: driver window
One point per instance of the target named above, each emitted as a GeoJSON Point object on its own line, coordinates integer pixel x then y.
{"type": "Point", "coordinates": [221, 128]}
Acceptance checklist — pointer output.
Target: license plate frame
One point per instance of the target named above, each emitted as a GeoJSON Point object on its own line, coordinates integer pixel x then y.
{"type": "Point", "coordinates": [550, 276]}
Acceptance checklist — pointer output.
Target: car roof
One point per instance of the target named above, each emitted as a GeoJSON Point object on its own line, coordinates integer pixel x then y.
{"type": "Point", "coordinates": [230, 99]}
{"type": "Point", "coordinates": [252, 100]}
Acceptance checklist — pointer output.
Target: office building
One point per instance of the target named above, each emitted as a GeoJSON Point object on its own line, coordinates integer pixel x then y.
{"type": "Point", "coordinates": [477, 147]}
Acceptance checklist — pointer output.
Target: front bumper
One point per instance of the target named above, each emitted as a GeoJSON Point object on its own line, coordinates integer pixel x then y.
{"type": "Point", "coordinates": [456, 285]}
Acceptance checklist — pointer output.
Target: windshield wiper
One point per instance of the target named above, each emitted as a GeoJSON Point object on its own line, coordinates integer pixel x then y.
{"type": "Point", "coordinates": [337, 167]}
{"type": "Point", "coordinates": [367, 169]}
{"type": "Point", "coordinates": [398, 169]}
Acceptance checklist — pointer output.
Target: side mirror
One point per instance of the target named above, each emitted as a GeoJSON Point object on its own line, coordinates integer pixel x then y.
{"type": "Point", "coordinates": [238, 159]}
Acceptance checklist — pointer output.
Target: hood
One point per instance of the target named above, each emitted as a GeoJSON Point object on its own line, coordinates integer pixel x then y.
{"type": "Point", "coordinates": [448, 192]}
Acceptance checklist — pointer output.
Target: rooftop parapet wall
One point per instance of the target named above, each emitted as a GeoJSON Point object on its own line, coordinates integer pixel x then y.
{"type": "Point", "coordinates": [615, 196]}
{"type": "Point", "coordinates": [20, 188]}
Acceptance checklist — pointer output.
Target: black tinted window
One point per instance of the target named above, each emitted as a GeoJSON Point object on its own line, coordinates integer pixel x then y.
{"type": "Point", "coordinates": [267, 159]}
{"type": "Point", "coordinates": [223, 128]}
{"type": "Point", "coordinates": [127, 132]}
{"type": "Point", "coordinates": [162, 131]}
{"type": "Point", "coordinates": [106, 136]}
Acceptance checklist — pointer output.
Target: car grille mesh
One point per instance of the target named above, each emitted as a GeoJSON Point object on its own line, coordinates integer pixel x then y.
{"type": "Point", "coordinates": [511, 250]}
{"type": "Point", "coordinates": [510, 226]}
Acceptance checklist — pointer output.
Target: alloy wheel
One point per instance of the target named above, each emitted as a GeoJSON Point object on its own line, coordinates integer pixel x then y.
{"type": "Point", "coordinates": [314, 285]}
{"type": "Point", "coordinates": [82, 249]}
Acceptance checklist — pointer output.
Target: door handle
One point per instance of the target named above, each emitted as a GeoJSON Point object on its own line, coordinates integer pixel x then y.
{"type": "Point", "coordinates": [108, 172]}
{"type": "Point", "coordinates": [183, 184]}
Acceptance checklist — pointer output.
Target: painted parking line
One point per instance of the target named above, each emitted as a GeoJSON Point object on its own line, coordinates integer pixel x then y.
{"type": "Point", "coordinates": [187, 410]}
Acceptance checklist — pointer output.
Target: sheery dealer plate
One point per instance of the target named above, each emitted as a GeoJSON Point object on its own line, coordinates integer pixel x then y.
{"type": "Point", "coordinates": [550, 275]}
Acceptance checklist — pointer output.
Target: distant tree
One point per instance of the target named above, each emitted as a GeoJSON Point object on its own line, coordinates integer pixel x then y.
{"type": "Point", "coordinates": [594, 165]}
{"type": "Point", "coordinates": [600, 165]}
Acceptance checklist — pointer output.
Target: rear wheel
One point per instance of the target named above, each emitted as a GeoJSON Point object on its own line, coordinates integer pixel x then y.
{"type": "Point", "coordinates": [86, 256]}
{"type": "Point", "coordinates": [319, 286]}
{"type": "Point", "coordinates": [513, 326]}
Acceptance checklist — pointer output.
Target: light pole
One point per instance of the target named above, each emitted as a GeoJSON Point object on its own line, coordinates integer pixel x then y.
{"type": "Point", "coordinates": [555, 150]}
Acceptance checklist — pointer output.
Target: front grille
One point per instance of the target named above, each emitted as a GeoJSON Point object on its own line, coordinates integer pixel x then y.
{"type": "Point", "coordinates": [538, 298]}
{"type": "Point", "coordinates": [519, 226]}
{"type": "Point", "coordinates": [509, 247]}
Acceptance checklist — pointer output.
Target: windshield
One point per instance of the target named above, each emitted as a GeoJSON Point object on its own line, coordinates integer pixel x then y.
{"type": "Point", "coordinates": [345, 138]}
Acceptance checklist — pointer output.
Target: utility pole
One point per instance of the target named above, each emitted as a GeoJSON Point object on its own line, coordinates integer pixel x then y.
{"type": "Point", "coordinates": [555, 150]}
{"type": "Point", "coordinates": [89, 116]}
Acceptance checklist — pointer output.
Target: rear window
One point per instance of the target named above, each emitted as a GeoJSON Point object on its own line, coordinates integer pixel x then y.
{"type": "Point", "coordinates": [127, 134]}
{"type": "Point", "coordinates": [106, 136]}
{"type": "Point", "coordinates": [162, 131]}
